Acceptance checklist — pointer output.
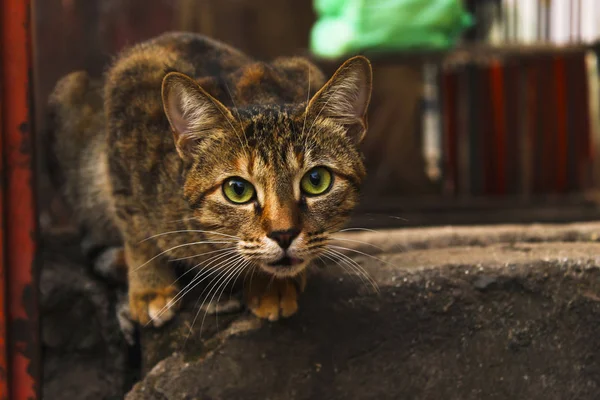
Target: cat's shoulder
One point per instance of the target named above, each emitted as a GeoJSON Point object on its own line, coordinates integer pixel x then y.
{"type": "Point", "coordinates": [190, 53]}
{"type": "Point", "coordinates": [282, 80]}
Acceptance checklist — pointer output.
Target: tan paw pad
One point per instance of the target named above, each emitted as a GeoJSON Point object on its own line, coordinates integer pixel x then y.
{"type": "Point", "coordinates": [156, 306]}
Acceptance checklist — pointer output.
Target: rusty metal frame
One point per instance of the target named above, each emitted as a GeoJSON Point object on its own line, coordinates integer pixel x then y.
{"type": "Point", "coordinates": [19, 327]}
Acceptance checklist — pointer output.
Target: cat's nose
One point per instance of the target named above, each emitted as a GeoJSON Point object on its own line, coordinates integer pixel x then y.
{"type": "Point", "coordinates": [284, 238]}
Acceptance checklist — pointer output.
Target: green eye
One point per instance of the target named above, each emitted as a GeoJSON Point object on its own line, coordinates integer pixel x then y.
{"type": "Point", "coordinates": [316, 181]}
{"type": "Point", "coordinates": [238, 190]}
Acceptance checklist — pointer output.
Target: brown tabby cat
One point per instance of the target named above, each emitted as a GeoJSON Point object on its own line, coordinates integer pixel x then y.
{"type": "Point", "coordinates": [192, 151]}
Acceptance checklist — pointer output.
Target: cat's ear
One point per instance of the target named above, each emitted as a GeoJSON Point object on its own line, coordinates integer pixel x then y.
{"type": "Point", "coordinates": [191, 111]}
{"type": "Point", "coordinates": [345, 97]}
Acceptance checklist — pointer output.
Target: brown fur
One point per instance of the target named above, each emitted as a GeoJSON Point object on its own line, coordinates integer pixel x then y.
{"type": "Point", "coordinates": [147, 151]}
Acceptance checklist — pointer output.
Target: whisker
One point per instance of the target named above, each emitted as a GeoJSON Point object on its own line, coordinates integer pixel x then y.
{"type": "Point", "coordinates": [357, 271]}
{"type": "Point", "coordinates": [209, 286]}
{"type": "Point", "coordinates": [359, 268]}
{"type": "Point", "coordinates": [235, 273]}
{"type": "Point", "coordinates": [211, 260]}
{"type": "Point", "coordinates": [173, 248]}
{"type": "Point", "coordinates": [359, 229]}
{"type": "Point", "coordinates": [206, 272]}
{"type": "Point", "coordinates": [337, 262]}
{"type": "Point", "coordinates": [233, 284]}
{"type": "Point", "coordinates": [353, 272]}
{"type": "Point", "coordinates": [362, 253]}
{"type": "Point", "coordinates": [248, 270]}
{"type": "Point", "coordinates": [201, 254]}
{"type": "Point", "coordinates": [253, 266]}
{"type": "Point", "coordinates": [222, 281]}
{"type": "Point", "coordinates": [357, 241]}
{"type": "Point", "coordinates": [320, 258]}
{"type": "Point", "coordinates": [388, 216]}
{"type": "Point", "coordinates": [252, 274]}
{"type": "Point", "coordinates": [234, 261]}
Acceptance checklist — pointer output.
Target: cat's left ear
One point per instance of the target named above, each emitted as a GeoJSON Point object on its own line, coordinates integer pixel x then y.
{"type": "Point", "coordinates": [346, 96]}
{"type": "Point", "coordinates": [192, 112]}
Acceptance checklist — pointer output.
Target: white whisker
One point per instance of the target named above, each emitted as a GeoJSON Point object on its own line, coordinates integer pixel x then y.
{"type": "Point", "coordinates": [211, 260]}
{"type": "Point", "coordinates": [202, 254]}
{"type": "Point", "coordinates": [183, 219]}
{"type": "Point", "coordinates": [221, 280]}
{"type": "Point", "coordinates": [362, 253]}
{"type": "Point", "coordinates": [235, 272]}
{"type": "Point", "coordinates": [358, 229]}
{"type": "Point", "coordinates": [174, 248]}
{"type": "Point", "coordinates": [356, 266]}
{"type": "Point", "coordinates": [357, 241]}
{"type": "Point", "coordinates": [206, 272]}
{"type": "Point", "coordinates": [352, 273]}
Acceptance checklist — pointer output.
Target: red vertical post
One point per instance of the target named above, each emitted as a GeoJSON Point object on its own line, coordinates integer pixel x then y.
{"type": "Point", "coordinates": [3, 285]}
{"type": "Point", "coordinates": [498, 126]}
{"type": "Point", "coordinates": [19, 211]}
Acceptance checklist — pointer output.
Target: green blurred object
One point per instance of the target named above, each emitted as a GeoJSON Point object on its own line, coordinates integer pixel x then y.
{"type": "Point", "coordinates": [347, 26]}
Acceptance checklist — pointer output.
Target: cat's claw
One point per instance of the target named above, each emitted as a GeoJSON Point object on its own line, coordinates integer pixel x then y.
{"type": "Point", "coordinates": [156, 306]}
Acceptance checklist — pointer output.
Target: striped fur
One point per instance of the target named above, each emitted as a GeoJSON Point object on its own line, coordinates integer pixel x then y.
{"type": "Point", "coordinates": [146, 151]}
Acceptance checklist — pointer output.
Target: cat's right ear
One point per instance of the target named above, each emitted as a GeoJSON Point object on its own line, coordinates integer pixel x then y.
{"type": "Point", "coordinates": [345, 97]}
{"type": "Point", "coordinates": [191, 111]}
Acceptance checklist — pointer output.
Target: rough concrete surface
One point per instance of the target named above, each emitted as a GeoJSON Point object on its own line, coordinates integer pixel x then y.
{"type": "Point", "coordinates": [507, 312]}
{"type": "Point", "coordinates": [462, 313]}
{"type": "Point", "coordinates": [84, 354]}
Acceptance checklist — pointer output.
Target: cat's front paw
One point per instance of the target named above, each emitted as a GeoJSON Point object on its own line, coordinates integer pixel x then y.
{"type": "Point", "coordinates": [155, 305]}
{"type": "Point", "coordinates": [275, 299]}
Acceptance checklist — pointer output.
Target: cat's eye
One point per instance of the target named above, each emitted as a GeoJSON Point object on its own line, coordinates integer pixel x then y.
{"type": "Point", "coordinates": [238, 190]}
{"type": "Point", "coordinates": [316, 181]}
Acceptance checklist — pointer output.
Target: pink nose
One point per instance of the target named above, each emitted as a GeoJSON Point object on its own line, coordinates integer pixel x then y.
{"type": "Point", "coordinates": [284, 238]}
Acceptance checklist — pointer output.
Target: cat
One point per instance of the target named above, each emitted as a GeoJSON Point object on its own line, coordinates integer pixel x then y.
{"type": "Point", "coordinates": [190, 150]}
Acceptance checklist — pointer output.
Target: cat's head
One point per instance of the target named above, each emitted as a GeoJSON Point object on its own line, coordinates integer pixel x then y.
{"type": "Point", "coordinates": [279, 178]}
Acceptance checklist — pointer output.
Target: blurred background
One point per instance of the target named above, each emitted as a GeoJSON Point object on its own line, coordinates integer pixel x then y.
{"type": "Point", "coordinates": [483, 111]}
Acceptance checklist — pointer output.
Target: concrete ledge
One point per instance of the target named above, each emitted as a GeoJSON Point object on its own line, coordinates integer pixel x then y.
{"type": "Point", "coordinates": [463, 313]}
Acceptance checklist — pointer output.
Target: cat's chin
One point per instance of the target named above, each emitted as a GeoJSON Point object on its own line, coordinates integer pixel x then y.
{"type": "Point", "coordinates": [284, 269]}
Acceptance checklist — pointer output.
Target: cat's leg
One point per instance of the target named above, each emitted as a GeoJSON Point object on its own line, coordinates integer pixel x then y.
{"type": "Point", "coordinates": [110, 264]}
{"type": "Point", "coordinates": [152, 286]}
{"type": "Point", "coordinates": [270, 298]}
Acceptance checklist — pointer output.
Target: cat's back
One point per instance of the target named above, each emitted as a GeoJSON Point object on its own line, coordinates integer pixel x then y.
{"type": "Point", "coordinates": [228, 74]}
{"type": "Point", "coordinates": [190, 53]}
{"type": "Point", "coordinates": [132, 83]}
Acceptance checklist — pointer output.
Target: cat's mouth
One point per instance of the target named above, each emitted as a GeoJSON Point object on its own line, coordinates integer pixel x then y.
{"type": "Point", "coordinates": [286, 261]}
{"type": "Point", "coordinates": [286, 266]}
